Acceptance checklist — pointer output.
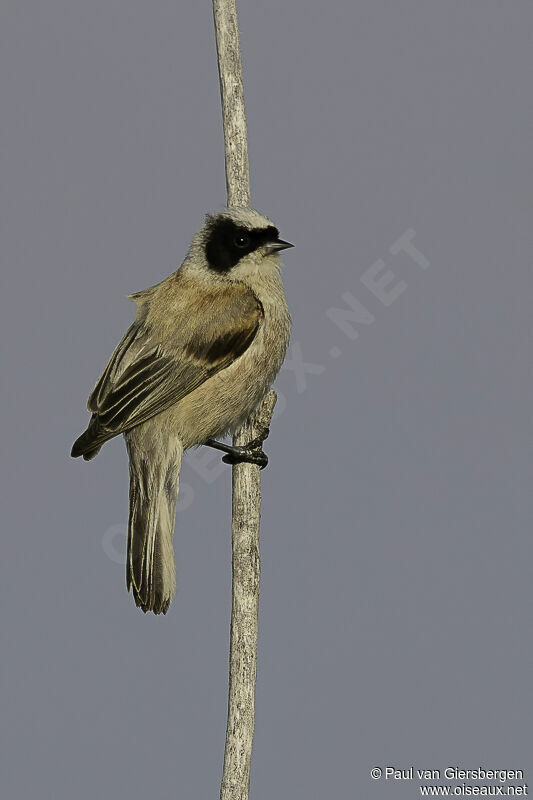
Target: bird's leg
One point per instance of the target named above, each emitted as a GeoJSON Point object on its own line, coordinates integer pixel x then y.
{"type": "Point", "coordinates": [252, 452]}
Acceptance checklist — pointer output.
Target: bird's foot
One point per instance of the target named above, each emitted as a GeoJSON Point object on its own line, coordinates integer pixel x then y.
{"type": "Point", "coordinates": [251, 453]}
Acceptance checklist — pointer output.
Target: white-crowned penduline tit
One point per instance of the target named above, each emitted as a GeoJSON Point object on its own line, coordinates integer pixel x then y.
{"type": "Point", "coordinates": [204, 349]}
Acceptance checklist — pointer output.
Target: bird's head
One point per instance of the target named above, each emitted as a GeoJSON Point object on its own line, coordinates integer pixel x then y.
{"type": "Point", "coordinates": [239, 241]}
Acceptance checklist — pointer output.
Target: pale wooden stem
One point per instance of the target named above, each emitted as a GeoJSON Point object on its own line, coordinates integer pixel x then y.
{"type": "Point", "coordinates": [232, 96]}
{"type": "Point", "coordinates": [246, 511]}
{"type": "Point", "coordinates": [246, 497]}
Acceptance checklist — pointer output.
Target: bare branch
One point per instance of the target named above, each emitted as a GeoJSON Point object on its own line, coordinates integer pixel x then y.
{"type": "Point", "coordinates": [246, 509]}
{"type": "Point", "coordinates": [246, 502]}
{"type": "Point", "coordinates": [232, 96]}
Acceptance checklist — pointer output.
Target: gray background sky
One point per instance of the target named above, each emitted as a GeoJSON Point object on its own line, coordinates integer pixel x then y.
{"type": "Point", "coordinates": [396, 607]}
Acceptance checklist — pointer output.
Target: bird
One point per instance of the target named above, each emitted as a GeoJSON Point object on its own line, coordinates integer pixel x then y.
{"type": "Point", "coordinates": [206, 345]}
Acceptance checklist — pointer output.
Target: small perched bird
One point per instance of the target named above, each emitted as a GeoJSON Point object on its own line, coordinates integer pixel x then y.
{"type": "Point", "coordinates": [206, 345]}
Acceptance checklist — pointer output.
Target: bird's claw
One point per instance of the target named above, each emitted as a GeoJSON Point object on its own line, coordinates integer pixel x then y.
{"type": "Point", "coordinates": [251, 454]}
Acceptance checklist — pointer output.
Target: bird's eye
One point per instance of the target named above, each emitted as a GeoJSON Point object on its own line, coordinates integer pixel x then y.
{"type": "Point", "coordinates": [242, 240]}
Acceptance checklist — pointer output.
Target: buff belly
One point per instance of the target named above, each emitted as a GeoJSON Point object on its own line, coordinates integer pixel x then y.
{"type": "Point", "coordinates": [219, 405]}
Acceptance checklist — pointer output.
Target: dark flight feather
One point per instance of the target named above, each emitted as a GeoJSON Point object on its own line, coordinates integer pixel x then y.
{"type": "Point", "coordinates": [145, 376]}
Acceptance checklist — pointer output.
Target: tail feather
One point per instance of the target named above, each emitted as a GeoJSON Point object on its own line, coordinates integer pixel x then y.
{"type": "Point", "coordinates": [150, 567]}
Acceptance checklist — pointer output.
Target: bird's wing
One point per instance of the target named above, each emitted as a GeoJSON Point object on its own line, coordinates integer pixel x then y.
{"type": "Point", "coordinates": [156, 365]}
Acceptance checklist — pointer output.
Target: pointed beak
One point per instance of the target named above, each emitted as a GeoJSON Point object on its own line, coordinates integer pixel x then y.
{"type": "Point", "coordinates": [277, 244]}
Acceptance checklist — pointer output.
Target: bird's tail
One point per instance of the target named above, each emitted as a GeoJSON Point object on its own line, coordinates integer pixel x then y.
{"type": "Point", "coordinates": [150, 567]}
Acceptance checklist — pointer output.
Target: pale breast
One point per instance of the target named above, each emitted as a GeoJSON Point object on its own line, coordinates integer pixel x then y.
{"type": "Point", "coordinates": [220, 404]}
